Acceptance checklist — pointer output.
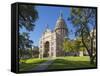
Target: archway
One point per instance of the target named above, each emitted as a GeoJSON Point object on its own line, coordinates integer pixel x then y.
{"type": "Point", "coordinates": [46, 49]}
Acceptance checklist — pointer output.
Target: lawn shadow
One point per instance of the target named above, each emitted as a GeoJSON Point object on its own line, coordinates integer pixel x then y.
{"type": "Point", "coordinates": [67, 64]}
{"type": "Point", "coordinates": [27, 66]}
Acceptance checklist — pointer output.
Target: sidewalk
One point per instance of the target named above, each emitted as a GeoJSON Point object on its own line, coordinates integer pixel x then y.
{"type": "Point", "coordinates": [43, 66]}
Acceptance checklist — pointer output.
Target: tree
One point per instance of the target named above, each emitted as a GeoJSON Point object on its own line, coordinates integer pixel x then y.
{"type": "Point", "coordinates": [27, 16]}
{"type": "Point", "coordinates": [73, 45]}
{"type": "Point", "coordinates": [84, 20]}
{"type": "Point", "coordinates": [24, 43]}
{"type": "Point", "coordinates": [35, 51]}
{"type": "Point", "coordinates": [77, 45]}
{"type": "Point", "coordinates": [67, 45]}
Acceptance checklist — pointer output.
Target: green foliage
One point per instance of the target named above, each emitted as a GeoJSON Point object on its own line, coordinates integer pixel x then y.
{"type": "Point", "coordinates": [72, 45]}
{"type": "Point", "coordinates": [83, 20]}
{"type": "Point", "coordinates": [67, 45]}
{"type": "Point", "coordinates": [77, 45]}
{"type": "Point", "coordinates": [27, 16]}
{"type": "Point", "coordinates": [35, 51]}
{"type": "Point", "coordinates": [24, 44]}
{"type": "Point", "coordinates": [24, 41]}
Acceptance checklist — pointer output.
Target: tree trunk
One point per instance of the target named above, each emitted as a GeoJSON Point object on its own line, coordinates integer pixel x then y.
{"type": "Point", "coordinates": [84, 42]}
{"type": "Point", "coordinates": [90, 52]}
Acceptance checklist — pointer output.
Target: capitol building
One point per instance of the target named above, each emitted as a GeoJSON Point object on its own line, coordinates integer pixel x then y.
{"type": "Point", "coordinates": [51, 41]}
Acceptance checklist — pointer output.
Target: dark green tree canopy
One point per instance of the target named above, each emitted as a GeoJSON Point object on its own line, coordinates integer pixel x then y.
{"type": "Point", "coordinates": [24, 41]}
{"type": "Point", "coordinates": [27, 16]}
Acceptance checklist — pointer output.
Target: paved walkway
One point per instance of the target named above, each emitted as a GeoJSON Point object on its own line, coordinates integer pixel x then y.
{"type": "Point", "coordinates": [43, 66]}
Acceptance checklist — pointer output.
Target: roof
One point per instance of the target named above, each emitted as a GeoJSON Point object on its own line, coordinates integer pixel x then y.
{"type": "Point", "coordinates": [60, 22]}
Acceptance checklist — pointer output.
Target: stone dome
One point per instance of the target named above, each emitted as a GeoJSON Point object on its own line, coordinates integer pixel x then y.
{"type": "Point", "coordinates": [60, 24]}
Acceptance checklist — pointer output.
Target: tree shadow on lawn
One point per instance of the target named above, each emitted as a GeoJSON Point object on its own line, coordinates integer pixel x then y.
{"type": "Point", "coordinates": [59, 64]}
{"type": "Point", "coordinates": [28, 66]}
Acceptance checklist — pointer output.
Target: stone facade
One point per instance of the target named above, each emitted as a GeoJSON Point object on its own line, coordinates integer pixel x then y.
{"type": "Point", "coordinates": [51, 41]}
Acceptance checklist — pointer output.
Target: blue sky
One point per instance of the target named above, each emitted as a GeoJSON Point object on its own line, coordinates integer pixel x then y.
{"type": "Point", "coordinates": [49, 15]}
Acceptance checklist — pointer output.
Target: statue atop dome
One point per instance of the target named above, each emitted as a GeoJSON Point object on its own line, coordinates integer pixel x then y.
{"type": "Point", "coordinates": [61, 15]}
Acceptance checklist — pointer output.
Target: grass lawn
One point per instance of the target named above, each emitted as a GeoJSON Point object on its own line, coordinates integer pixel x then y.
{"type": "Point", "coordinates": [71, 62]}
{"type": "Point", "coordinates": [68, 62]}
{"type": "Point", "coordinates": [28, 64]}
